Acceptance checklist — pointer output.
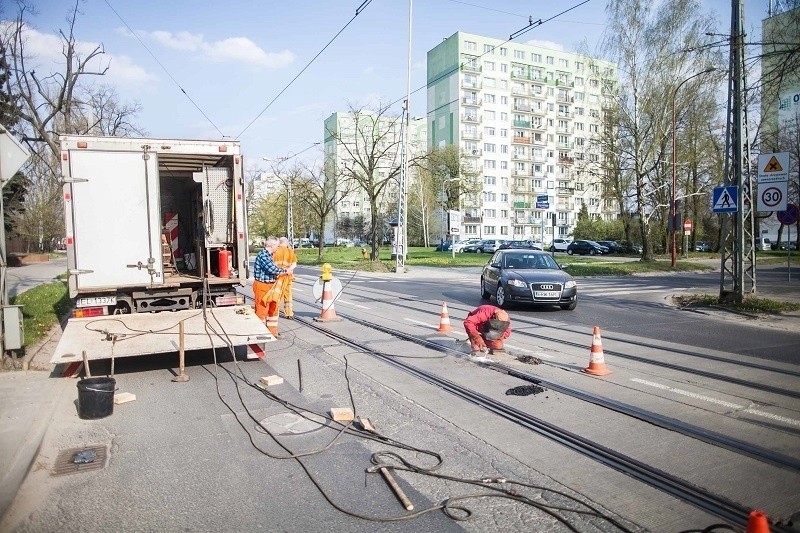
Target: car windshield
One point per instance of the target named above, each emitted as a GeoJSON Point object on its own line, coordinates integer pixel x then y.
{"type": "Point", "coordinates": [529, 261]}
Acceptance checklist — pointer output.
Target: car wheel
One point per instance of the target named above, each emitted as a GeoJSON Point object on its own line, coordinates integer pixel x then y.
{"type": "Point", "coordinates": [592, 251]}
{"type": "Point", "coordinates": [552, 248]}
{"type": "Point", "coordinates": [569, 252]}
{"type": "Point", "coordinates": [484, 293]}
{"type": "Point", "coordinates": [570, 306]}
{"type": "Point", "coordinates": [500, 295]}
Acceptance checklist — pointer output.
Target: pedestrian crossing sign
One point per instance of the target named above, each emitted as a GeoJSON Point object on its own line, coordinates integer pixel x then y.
{"type": "Point", "coordinates": [724, 199]}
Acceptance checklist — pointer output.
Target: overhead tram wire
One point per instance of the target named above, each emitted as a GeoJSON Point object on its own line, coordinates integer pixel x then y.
{"type": "Point", "coordinates": [165, 70]}
{"type": "Point", "coordinates": [531, 24]}
{"type": "Point", "coordinates": [359, 10]}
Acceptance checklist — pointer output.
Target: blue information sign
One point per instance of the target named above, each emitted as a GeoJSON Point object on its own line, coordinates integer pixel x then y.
{"type": "Point", "coordinates": [541, 202]}
{"type": "Point", "coordinates": [725, 199]}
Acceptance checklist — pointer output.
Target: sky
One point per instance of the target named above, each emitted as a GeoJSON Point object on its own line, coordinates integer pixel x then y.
{"type": "Point", "coordinates": [204, 70]}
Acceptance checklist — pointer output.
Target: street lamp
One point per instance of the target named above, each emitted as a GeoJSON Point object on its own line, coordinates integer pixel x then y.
{"type": "Point", "coordinates": [672, 210]}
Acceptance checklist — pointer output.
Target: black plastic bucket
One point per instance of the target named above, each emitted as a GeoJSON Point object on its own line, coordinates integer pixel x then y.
{"type": "Point", "coordinates": [96, 397]}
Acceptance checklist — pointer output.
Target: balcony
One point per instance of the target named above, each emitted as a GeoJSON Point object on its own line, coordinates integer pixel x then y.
{"type": "Point", "coordinates": [563, 130]}
{"type": "Point", "coordinates": [466, 219]}
{"type": "Point", "coordinates": [564, 114]}
{"type": "Point", "coordinates": [522, 123]}
{"type": "Point", "coordinates": [564, 99]}
{"type": "Point", "coordinates": [525, 108]}
{"type": "Point", "coordinates": [470, 101]}
{"type": "Point", "coordinates": [520, 76]}
{"type": "Point", "coordinates": [522, 205]}
{"type": "Point", "coordinates": [475, 152]}
{"type": "Point", "coordinates": [521, 188]}
{"type": "Point", "coordinates": [538, 111]}
{"type": "Point", "coordinates": [520, 157]}
{"type": "Point", "coordinates": [470, 67]}
{"type": "Point", "coordinates": [565, 191]}
{"type": "Point", "coordinates": [519, 92]}
{"type": "Point", "coordinates": [466, 84]}
{"type": "Point", "coordinates": [474, 118]}
{"type": "Point", "coordinates": [566, 160]}
{"type": "Point", "coordinates": [563, 145]}
{"type": "Point", "coordinates": [521, 140]}
{"type": "Point", "coordinates": [471, 135]}
{"type": "Point", "coordinates": [565, 206]}
{"type": "Point", "coordinates": [522, 173]}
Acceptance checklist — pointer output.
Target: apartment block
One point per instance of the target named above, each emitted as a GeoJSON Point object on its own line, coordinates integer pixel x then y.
{"type": "Point", "coordinates": [349, 136]}
{"type": "Point", "coordinates": [526, 116]}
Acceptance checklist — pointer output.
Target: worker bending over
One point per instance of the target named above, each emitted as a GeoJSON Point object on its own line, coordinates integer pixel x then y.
{"type": "Point", "coordinates": [487, 327]}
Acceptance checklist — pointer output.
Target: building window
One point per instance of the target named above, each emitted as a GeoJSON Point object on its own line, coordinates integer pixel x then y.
{"type": "Point", "coordinates": [488, 49]}
{"type": "Point", "coordinates": [490, 147]}
{"type": "Point", "coordinates": [490, 213]}
{"type": "Point", "coordinates": [489, 98]}
{"type": "Point", "coordinates": [488, 230]}
{"type": "Point", "coordinates": [489, 83]}
{"type": "Point", "coordinates": [489, 66]}
{"type": "Point", "coordinates": [489, 180]}
{"type": "Point", "coordinates": [503, 165]}
{"type": "Point", "coordinates": [536, 58]}
{"type": "Point", "coordinates": [519, 54]}
{"type": "Point", "coordinates": [489, 163]}
{"type": "Point", "coordinates": [503, 132]}
{"type": "Point", "coordinates": [503, 230]}
{"type": "Point", "coordinates": [550, 60]}
{"type": "Point", "coordinates": [503, 52]}
{"type": "Point", "coordinates": [504, 67]}
{"type": "Point", "coordinates": [504, 197]}
{"type": "Point", "coordinates": [563, 63]}
{"type": "Point", "coordinates": [489, 131]}
{"type": "Point", "coordinates": [490, 115]}
{"type": "Point", "coordinates": [471, 45]}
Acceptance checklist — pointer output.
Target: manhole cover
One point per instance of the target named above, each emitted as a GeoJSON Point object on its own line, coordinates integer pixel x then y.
{"type": "Point", "coordinates": [525, 390]}
{"type": "Point", "coordinates": [292, 424]}
{"type": "Point", "coordinates": [80, 460]}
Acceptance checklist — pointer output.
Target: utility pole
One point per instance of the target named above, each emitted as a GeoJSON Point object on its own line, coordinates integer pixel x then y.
{"type": "Point", "coordinates": [737, 248]}
{"type": "Point", "coordinates": [402, 207]}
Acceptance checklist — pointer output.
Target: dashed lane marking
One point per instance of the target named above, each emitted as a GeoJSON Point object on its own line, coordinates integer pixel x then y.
{"type": "Point", "coordinates": [420, 322]}
{"type": "Point", "coordinates": [717, 401]}
{"type": "Point", "coordinates": [352, 303]}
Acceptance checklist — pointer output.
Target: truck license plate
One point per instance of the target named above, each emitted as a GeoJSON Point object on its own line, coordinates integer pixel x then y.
{"type": "Point", "coordinates": [546, 294]}
{"type": "Point", "coordinates": [96, 301]}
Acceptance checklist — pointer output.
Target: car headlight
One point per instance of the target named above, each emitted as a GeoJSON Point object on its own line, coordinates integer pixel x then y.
{"type": "Point", "coordinates": [571, 283]}
{"type": "Point", "coordinates": [517, 283]}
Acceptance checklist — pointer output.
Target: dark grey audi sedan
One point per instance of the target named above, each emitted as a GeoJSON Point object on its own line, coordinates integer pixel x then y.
{"type": "Point", "coordinates": [529, 277]}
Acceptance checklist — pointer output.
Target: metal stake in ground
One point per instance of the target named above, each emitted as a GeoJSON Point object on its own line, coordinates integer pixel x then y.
{"type": "Point", "coordinates": [181, 377]}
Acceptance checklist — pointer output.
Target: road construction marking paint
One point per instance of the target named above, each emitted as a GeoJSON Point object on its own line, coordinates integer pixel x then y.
{"type": "Point", "coordinates": [537, 354]}
{"type": "Point", "coordinates": [730, 405]}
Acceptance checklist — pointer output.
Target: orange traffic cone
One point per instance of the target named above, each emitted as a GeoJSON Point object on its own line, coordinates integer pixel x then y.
{"type": "Point", "coordinates": [597, 363]}
{"type": "Point", "coordinates": [757, 522]}
{"type": "Point", "coordinates": [444, 320]}
{"type": "Point", "coordinates": [328, 312]}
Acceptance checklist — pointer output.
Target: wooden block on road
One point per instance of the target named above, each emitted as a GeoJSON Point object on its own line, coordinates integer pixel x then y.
{"type": "Point", "coordinates": [124, 397]}
{"type": "Point", "coordinates": [342, 414]}
{"type": "Point", "coordinates": [271, 380]}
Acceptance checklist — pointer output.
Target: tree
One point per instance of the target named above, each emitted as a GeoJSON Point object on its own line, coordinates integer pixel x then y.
{"type": "Point", "coordinates": [370, 159]}
{"type": "Point", "coordinates": [51, 104]}
{"type": "Point", "coordinates": [655, 48]}
{"type": "Point", "coordinates": [445, 179]}
{"type": "Point", "coordinates": [320, 192]}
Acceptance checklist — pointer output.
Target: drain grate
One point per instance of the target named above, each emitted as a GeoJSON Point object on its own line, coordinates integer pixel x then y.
{"type": "Point", "coordinates": [80, 460]}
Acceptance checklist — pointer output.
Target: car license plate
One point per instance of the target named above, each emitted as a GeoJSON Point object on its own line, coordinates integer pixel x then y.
{"type": "Point", "coordinates": [546, 294]}
{"type": "Point", "coordinates": [96, 301]}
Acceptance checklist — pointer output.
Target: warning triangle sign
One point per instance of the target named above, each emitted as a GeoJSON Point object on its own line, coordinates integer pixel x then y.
{"type": "Point", "coordinates": [773, 165]}
{"type": "Point", "coordinates": [725, 201]}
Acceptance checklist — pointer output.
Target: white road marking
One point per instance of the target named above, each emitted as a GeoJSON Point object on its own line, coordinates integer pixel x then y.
{"type": "Point", "coordinates": [352, 303]}
{"type": "Point", "coordinates": [717, 401]}
{"type": "Point", "coordinates": [520, 349]}
{"type": "Point", "coordinates": [427, 324]}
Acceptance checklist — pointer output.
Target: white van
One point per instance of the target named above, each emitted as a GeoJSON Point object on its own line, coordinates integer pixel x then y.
{"type": "Point", "coordinates": [763, 243]}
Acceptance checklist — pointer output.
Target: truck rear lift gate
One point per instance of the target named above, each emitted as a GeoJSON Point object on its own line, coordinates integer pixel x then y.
{"type": "Point", "coordinates": [152, 333]}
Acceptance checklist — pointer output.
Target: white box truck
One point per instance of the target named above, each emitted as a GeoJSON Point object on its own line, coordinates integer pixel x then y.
{"type": "Point", "coordinates": [156, 235]}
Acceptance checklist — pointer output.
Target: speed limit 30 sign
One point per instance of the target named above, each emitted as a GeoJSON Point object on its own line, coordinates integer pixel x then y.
{"type": "Point", "coordinates": [773, 179]}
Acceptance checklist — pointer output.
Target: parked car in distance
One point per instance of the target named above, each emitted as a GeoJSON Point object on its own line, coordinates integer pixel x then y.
{"type": "Point", "coordinates": [702, 246]}
{"type": "Point", "coordinates": [529, 277]}
{"type": "Point", "coordinates": [489, 246]}
{"type": "Point", "coordinates": [459, 246]}
{"type": "Point", "coordinates": [613, 247]}
{"type": "Point", "coordinates": [443, 246]}
{"type": "Point", "coordinates": [559, 245]}
{"type": "Point", "coordinates": [583, 247]}
{"type": "Point", "coordinates": [630, 248]}
{"type": "Point", "coordinates": [520, 245]}
{"type": "Point", "coordinates": [788, 245]}
{"type": "Point", "coordinates": [763, 243]}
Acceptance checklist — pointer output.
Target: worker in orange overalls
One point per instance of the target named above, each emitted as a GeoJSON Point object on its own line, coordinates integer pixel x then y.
{"type": "Point", "coordinates": [487, 327]}
{"type": "Point", "coordinates": [268, 285]}
{"type": "Point", "coordinates": [285, 258]}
